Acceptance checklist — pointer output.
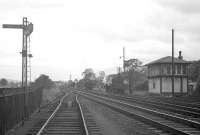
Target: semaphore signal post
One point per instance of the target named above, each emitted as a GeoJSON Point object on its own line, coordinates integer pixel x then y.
{"type": "Point", "coordinates": [27, 29]}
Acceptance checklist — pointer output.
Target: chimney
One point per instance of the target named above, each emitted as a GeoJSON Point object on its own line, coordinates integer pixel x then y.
{"type": "Point", "coordinates": [180, 56]}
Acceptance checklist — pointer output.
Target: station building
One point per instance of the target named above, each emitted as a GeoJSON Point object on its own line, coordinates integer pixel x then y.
{"type": "Point", "coordinates": [160, 75]}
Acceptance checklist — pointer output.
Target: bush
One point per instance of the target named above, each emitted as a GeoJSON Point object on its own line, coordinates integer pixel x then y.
{"type": "Point", "coordinates": [44, 81]}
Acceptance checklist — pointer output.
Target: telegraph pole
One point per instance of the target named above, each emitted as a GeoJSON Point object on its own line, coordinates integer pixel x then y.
{"type": "Point", "coordinates": [27, 29]}
{"type": "Point", "coordinates": [172, 62]}
{"type": "Point", "coordinates": [124, 58]}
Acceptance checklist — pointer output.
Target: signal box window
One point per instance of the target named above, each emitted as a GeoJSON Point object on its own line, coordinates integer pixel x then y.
{"type": "Point", "coordinates": [154, 85]}
{"type": "Point", "coordinates": [168, 69]}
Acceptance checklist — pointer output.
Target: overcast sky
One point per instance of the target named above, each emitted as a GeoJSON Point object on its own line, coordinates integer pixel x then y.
{"type": "Point", "coordinates": [71, 35]}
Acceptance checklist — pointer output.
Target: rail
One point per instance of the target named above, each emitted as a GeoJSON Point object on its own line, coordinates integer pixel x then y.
{"type": "Point", "coordinates": [51, 117]}
{"type": "Point", "coordinates": [82, 116]}
{"type": "Point", "coordinates": [168, 116]}
{"type": "Point", "coordinates": [147, 120]}
{"type": "Point", "coordinates": [195, 112]}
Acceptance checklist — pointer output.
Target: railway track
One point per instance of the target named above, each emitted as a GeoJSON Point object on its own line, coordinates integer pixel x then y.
{"type": "Point", "coordinates": [48, 110]}
{"type": "Point", "coordinates": [189, 102]}
{"type": "Point", "coordinates": [160, 122]}
{"type": "Point", "coordinates": [69, 117]}
{"type": "Point", "coordinates": [191, 113]}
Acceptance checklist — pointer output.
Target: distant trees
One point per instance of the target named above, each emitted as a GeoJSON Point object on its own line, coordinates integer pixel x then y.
{"type": "Point", "coordinates": [88, 74]}
{"type": "Point", "coordinates": [132, 65]}
{"type": "Point", "coordinates": [3, 82]}
{"type": "Point", "coordinates": [44, 81]}
{"type": "Point", "coordinates": [194, 71]}
{"type": "Point", "coordinates": [133, 79]}
{"type": "Point", "coordinates": [70, 84]}
{"type": "Point", "coordinates": [89, 84]}
{"type": "Point", "coordinates": [90, 80]}
{"type": "Point", "coordinates": [194, 74]}
{"type": "Point", "coordinates": [75, 81]}
{"type": "Point", "coordinates": [81, 83]}
{"type": "Point", "coordinates": [198, 86]}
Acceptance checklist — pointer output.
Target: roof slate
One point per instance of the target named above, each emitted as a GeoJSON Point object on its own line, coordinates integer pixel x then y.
{"type": "Point", "coordinates": [167, 59]}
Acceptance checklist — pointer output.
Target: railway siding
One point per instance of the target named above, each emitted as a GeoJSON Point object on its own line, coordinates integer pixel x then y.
{"type": "Point", "coordinates": [161, 120]}
{"type": "Point", "coordinates": [180, 111]}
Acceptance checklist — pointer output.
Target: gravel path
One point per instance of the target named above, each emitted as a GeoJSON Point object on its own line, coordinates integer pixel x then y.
{"type": "Point", "coordinates": [114, 123]}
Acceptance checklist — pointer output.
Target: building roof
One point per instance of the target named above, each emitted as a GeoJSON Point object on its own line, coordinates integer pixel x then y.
{"type": "Point", "coordinates": [168, 59]}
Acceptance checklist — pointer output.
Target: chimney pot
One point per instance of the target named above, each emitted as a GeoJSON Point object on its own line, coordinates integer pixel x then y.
{"type": "Point", "coordinates": [180, 56]}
